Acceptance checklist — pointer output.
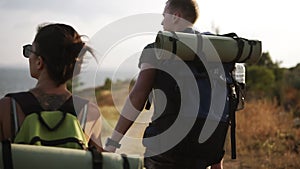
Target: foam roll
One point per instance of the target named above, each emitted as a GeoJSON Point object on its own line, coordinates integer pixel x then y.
{"type": "Point", "coordinates": [37, 157]}
{"type": "Point", "coordinates": [215, 47]}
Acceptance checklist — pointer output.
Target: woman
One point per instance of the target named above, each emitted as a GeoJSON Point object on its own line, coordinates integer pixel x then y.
{"type": "Point", "coordinates": [55, 56]}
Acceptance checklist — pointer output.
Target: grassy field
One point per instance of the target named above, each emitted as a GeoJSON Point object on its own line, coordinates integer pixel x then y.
{"type": "Point", "coordinates": [265, 135]}
{"type": "Point", "coordinates": [266, 138]}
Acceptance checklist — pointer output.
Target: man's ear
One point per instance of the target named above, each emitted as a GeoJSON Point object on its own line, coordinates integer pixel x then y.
{"type": "Point", "coordinates": [177, 15]}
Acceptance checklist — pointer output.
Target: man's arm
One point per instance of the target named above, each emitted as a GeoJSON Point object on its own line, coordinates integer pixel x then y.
{"type": "Point", "coordinates": [134, 103]}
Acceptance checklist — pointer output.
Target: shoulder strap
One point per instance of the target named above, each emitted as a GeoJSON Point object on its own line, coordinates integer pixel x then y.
{"type": "Point", "coordinates": [84, 116]}
{"type": "Point", "coordinates": [73, 105]}
{"type": "Point", "coordinates": [14, 115]}
{"type": "Point", "coordinates": [174, 39]}
{"type": "Point", "coordinates": [27, 101]}
{"type": "Point", "coordinates": [28, 104]}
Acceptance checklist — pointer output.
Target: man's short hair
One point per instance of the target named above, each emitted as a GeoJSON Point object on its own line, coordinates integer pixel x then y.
{"type": "Point", "coordinates": [189, 8]}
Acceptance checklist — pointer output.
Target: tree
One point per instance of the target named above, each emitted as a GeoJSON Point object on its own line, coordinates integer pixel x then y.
{"type": "Point", "coordinates": [107, 84]}
{"type": "Point", "coordinates": [293, 77]}
{"type": "Point", "coordinates": [267, 62]}
{"type": "Point", "coordinates": [260, 79]}
{"type": "Point", "coordinates": [267, 76]}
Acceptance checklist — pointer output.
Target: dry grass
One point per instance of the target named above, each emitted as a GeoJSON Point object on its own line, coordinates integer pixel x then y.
{"type": "Point", "coordinates": [104, 98]}
{"type": "Point", "coordinates": [265, 138]}
{"type": "Point", "coordinates": [110, 114]}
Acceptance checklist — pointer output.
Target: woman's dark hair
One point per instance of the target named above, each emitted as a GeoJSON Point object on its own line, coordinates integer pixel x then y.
{"type": "Point", "coordinates": [189, 8]}
{"type": "Point", "coordinates": [62, 50]}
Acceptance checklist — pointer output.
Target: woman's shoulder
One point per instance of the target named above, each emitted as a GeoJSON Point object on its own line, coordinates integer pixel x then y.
{"type": "Point", "coordinates": [4, 102]}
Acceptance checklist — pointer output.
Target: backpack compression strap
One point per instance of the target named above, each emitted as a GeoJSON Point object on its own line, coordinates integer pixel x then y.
{"type": "Point", "coordinates": [125, 162]}
{"type": "Point", "coordinates": [6, 155]}
{"type": "Point", "coordinates": [97, 158]}
{"type": "Point", "coordinates": [240, 44]}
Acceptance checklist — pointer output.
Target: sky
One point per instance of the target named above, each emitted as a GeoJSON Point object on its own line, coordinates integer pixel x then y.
{"type": "Point", "coordinates": [275, 22]}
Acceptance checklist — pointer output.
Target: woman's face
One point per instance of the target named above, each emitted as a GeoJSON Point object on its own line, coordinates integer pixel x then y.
{"type": "Point", "coordinates": [33, 61]}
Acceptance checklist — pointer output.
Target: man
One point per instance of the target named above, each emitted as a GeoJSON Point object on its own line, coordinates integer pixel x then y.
{"type": "Point", "coordinates": [179, 16]}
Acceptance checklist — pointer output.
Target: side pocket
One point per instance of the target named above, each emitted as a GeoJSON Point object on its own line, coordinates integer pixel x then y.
{"type": "Point", "coordinates": [241, 94]}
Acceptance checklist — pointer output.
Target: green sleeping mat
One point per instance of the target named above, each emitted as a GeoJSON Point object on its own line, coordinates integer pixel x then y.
{"type": "Point", "coordinates": [43, 157]}
{"type": "Point", "coordinates": [225, 48]}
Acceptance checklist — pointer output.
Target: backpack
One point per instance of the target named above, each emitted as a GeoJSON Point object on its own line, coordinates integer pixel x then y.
{"type": "Point", "coordinates": [175, 47]}
{"type": "Point", "coordinates": [59, 128]}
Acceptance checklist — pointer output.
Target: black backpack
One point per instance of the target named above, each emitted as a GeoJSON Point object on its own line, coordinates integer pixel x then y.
{"type": "Point", "coordinates": [207, 75]}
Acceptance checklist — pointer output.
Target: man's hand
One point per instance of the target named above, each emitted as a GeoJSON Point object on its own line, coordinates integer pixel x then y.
{"type": "Point", "coordinates": [110, 149]}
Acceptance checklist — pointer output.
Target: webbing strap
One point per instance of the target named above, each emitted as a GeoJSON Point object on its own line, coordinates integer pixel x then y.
{"type": "Point", "coordinates": [84, 116]}
{"type": "Point", "coordinates": [125, 162]}
{"type": "Point", "coordinates": [6, 155]}
{"type": "Point", "coordinates": [232, 137]}
{"type": "Point", "coordinates": [240, 43]}
{"type": "Point", "coordinates": [251, 43]}
{"type": "Point", "coordinates": [233, 104]}
{"type": "Point", "coordinates": [174, 39]}
{"type": "Point", "coordinates": [15, 115]}
{"type": "Point", "coordinates": [97, 158]}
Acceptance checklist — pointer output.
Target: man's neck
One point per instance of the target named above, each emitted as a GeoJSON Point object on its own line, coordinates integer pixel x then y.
{"type": "Point", "coordinates": [181, 28]}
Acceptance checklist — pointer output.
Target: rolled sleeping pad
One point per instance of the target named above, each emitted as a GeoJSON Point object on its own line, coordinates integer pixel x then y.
{"type": "Point", "coordinates": [37, 157]}
{"type": "Point", "coordinates": [215, 47]}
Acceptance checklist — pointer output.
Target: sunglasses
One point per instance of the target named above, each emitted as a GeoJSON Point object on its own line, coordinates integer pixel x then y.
{"type": "Point", "coordinates": [27, 50]}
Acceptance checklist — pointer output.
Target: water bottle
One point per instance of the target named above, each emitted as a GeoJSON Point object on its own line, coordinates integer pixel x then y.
{"type": "Point", "coordinates": [239, 75]}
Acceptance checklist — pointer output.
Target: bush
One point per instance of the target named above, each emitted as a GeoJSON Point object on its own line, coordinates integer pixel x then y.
{"type": "Point", "coordinates": [260, 81]}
